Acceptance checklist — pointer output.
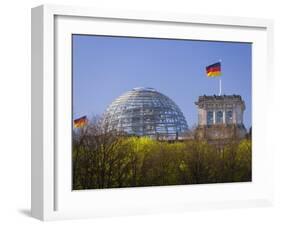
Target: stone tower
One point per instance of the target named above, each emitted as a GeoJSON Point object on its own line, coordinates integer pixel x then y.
{"type": "Point", "coordinates": [220, 117]}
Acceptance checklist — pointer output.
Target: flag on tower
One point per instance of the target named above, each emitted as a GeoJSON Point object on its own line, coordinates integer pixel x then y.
{"type": "Point", "coordinates": [214, 70]}
{"type": "Point", "coordinates": [80, 122]}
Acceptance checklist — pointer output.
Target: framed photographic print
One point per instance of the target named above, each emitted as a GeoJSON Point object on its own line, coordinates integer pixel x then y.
{"type": "Point", "coordinates": [137, 112]}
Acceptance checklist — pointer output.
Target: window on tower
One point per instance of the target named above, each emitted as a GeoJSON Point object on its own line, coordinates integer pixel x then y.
{"type": "Point", "coordinates": [229, 117]}
{"type": "Point", "coordinates": [219, 117]}
{"type": "Point", "coordinates": [210, 118]}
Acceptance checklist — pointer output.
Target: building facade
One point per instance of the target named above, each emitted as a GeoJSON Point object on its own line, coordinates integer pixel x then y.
{"type": "Point", "coordinates": [220, 117]}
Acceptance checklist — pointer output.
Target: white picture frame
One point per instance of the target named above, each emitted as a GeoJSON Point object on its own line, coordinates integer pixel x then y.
{"type": "Point", "coordinates": [52, 197]}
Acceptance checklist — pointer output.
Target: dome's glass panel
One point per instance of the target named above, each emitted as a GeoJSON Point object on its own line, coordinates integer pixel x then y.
{"type": "Point", "coordinates": [146, 112]}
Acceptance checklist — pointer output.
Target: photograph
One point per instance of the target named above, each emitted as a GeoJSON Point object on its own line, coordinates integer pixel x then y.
{"type": "Point", "coordinates": [152, 111]}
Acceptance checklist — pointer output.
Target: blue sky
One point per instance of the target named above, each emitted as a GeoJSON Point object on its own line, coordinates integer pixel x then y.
{"type": "Point", "coordinates": [106, 67]}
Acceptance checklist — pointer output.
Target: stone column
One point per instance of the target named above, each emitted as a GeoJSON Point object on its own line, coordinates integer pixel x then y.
{"type": "Point", "coordinates": [234, 115]}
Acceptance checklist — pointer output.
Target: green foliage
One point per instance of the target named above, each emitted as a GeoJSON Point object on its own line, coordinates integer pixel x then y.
{"type": "Point", "coordinates": [108, 161]}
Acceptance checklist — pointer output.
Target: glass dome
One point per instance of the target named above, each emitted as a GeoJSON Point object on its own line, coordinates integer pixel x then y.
{"type": "Point", "coordinates": [145, 112]}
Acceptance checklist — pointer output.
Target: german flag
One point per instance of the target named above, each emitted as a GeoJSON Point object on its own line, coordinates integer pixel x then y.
{"type": "Point", "coordinates": [80, 122]}
{"type": "Point", "coordinates": [214, 70]}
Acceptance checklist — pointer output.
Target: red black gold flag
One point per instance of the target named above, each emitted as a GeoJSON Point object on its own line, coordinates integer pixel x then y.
{"type": "Point", "coordinates": [80, 122]}
{"type": "Point", "coordinates": [214, 70]}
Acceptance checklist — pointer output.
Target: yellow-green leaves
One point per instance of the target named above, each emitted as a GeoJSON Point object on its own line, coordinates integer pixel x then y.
{"type": "Point", "coordinates": [109, 160]}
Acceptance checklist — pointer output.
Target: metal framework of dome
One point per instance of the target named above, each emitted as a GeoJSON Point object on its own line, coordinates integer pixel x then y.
{"type": "Point", "coordinates": [146, 112]}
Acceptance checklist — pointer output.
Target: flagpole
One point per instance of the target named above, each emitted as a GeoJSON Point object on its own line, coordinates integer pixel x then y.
{"type": "Point", "coordinates": [220, 86]}
{"type": "Point", "coordinates": [220, 79]}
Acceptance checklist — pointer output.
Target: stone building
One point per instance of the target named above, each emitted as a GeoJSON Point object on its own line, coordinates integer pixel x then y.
{"type": "Point", "coordinates": [220, 118]}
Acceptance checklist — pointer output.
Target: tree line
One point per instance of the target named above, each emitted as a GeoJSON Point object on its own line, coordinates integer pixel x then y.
{"type": "Point", "coordinates": [109, 160]}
